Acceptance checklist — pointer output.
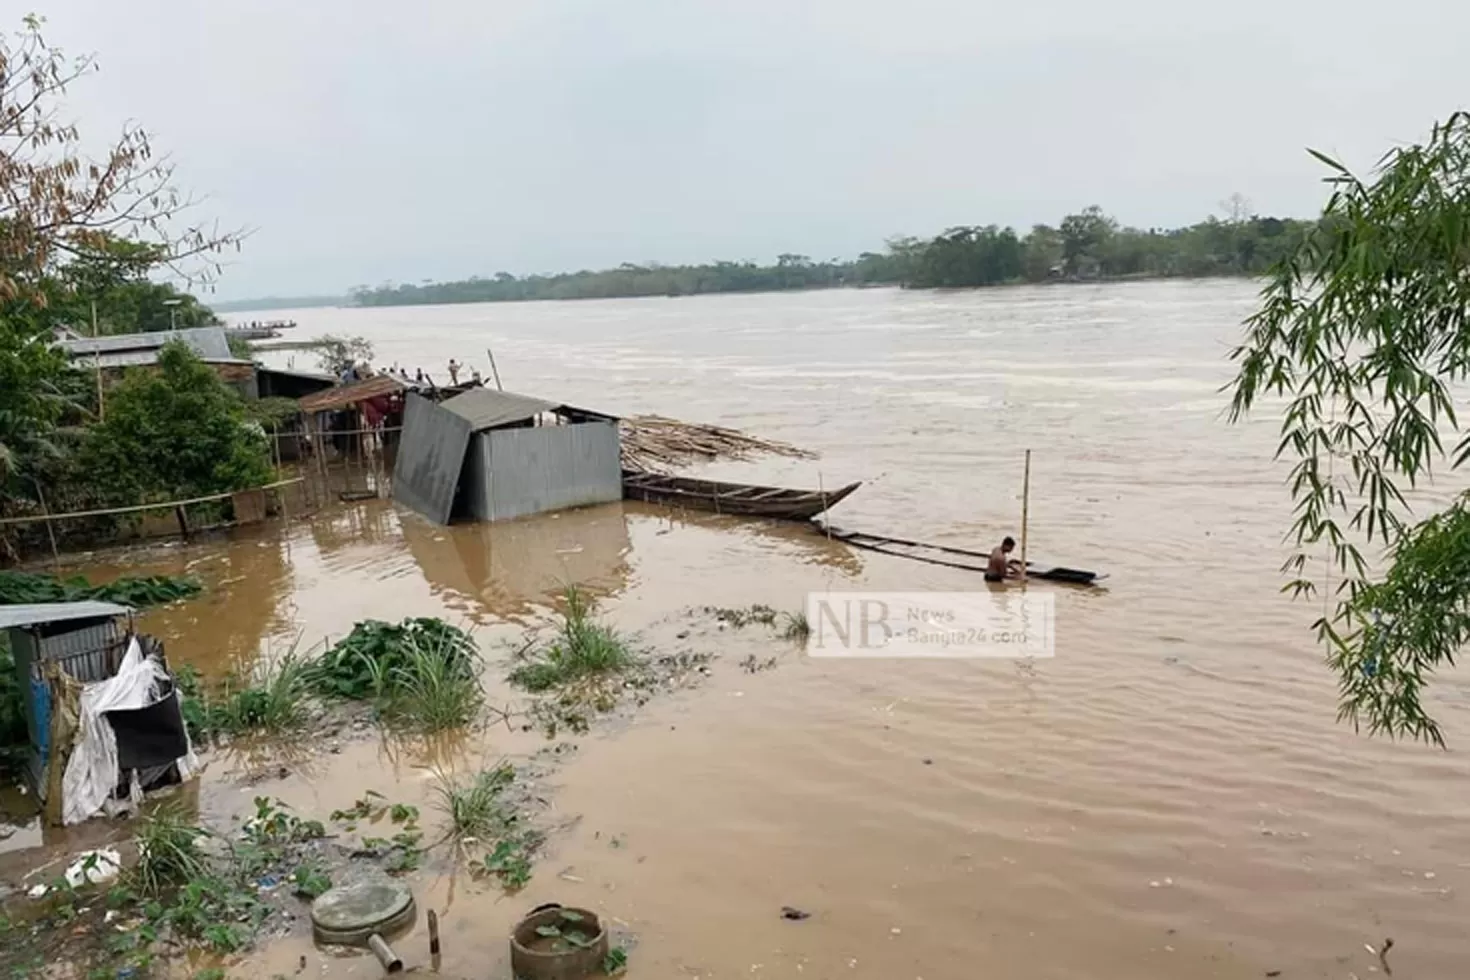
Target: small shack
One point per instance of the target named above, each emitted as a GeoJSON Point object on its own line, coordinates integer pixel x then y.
{"type": "Point", "coordinates": [493, 455]}
{"type": "Point", "coordinates": [346, 414]}
{"type": "Point", "coordinates": [117, 710]}
{"type": "Point", "coordinates": [85, 639]}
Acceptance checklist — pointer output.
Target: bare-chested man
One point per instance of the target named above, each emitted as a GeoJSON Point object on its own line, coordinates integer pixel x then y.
{"type": "Point", "coordinates": [1000, 567]}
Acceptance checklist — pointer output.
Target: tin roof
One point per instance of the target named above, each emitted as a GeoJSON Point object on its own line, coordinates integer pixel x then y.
{"type": "Point", "coordinates": [334, 399]}
{"type": "Point", "coordinates": [36, 613]}
{"type": "Point", "coordinates": [487, 409]}
{"type": "Point", "coordinates": [207, 342]}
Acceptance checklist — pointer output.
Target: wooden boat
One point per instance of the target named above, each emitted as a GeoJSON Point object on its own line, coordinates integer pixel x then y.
{"type": "Point", "coordinates": [731, 498]}
{"type": "Point", "coordinates": [970, 561]}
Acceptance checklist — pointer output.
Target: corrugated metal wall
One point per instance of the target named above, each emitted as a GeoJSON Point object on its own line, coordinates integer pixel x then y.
{"type": "Point", "coordinates": [431, 454]}
{"type": "Point", "coordinates": [84, 651]}
{"type": "Point", "coordinates": [474, 481]}
{"type": "Point", "coordinates": [550, 467]}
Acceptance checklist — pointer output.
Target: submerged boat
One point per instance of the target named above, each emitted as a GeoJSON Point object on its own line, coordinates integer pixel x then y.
{"type": "Point", "coordinates": [971, 561]}
{"type": "Point", "coordinates": [731, 498]}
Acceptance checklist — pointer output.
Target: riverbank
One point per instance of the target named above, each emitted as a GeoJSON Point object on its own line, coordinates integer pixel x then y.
{"type": "Point", "coordinates": [1058, 280]}
{"type": "Point", "coordinates": [1169, 798]}
{"type": "Point", "coordinates": [1089, 245]}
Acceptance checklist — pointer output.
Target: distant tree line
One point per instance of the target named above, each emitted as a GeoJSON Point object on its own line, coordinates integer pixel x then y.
{"type": "Point", "coordinates": [1089, 245]}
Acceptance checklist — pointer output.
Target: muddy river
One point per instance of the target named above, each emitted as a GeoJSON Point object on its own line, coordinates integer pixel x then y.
{"type": "Point", "coordinates": [1170, 797]}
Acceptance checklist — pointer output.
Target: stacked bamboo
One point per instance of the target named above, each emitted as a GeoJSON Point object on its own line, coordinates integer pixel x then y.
{"type": "Point", "coordinates": [656, 444]}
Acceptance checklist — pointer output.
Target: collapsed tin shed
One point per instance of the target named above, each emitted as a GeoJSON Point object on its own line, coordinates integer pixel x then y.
{"type": "Point", "coordinates": [493, 455]}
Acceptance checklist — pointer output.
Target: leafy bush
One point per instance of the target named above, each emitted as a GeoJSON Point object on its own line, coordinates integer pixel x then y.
{"type": "Point", "coordinates": [365, 662]}
{"type": "Point", "coordinates": [177, 432]}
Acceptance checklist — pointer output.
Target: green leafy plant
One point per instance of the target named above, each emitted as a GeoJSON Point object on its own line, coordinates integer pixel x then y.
{"type": "Point", "coordinates": [177, 432]}
{"type": "Point", "coordinates": [1364, 330]}
{"type": "Point", "coordinates": [139, 591]}
{"type": "Point", "coordinates": [615, 962]}
{"type": "Point", "coordinates": [510, 861]}
{"type": "Point", "coordinates": [362, 664]}
{"type": "Point", "coordinates": [582, 649]}
{"type": "Point", "coordinates": [309, 880]}
{"type": "Point", "coordinates": [274, 823]}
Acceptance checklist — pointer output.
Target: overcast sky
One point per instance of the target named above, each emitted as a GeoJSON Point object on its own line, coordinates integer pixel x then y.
{"type": "Point", "coordinates": [368, 140]}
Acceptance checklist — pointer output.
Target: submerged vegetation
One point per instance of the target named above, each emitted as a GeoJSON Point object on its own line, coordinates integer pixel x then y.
{"type": "Point", "coordinates": [582, 650]}
{"type": "Point", "coordinates": [422, 673]}
{"type": "Point", "coordinates": [488, 829]}
{"type": "Point", "coordinates": [139, 591]}
{"type": "Point", "coordinates": [360, 664]}
{"type": "Point", "coordinates": [1088, 245]}
{"type": "Point", "coordinates": [273, 704]}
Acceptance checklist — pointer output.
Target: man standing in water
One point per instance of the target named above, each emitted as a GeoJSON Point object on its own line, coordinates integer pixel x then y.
{"type": "Point", "coordinates": [453, 371]}
{"type": "Point", "coordinates": [1000, 566]}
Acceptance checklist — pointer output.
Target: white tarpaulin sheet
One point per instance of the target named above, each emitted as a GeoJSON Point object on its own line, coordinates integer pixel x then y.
{"type": "Point", "coordinates": [91, 773]}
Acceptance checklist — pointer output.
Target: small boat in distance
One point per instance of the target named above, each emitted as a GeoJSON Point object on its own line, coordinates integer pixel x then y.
{"type": "Point", "coordinates": [731, 498]}
{"type": "Point", "coordinates": [970, 561]}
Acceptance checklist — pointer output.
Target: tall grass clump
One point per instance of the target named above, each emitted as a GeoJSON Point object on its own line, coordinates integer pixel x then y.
{"type": "Point", "coordinates": [582, 648]}
{"type": "Point", "coordinates": [434, 688]}
{"type": "Point", "coordinates": [276, 703]}
{"type": "Point", "coordinates": [795, 626]}
{"type": "Point", "coordinates": [168, 854]}
{"type": "Point", "coordinates": [475, 809]}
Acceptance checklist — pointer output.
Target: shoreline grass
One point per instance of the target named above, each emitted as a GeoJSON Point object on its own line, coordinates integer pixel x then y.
{"type": "Point", "coordinates": [582, 649]}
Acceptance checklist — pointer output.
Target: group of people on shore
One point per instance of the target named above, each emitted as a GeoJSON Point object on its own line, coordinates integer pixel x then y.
{"type": "Point", "coordinates": [422, 380]}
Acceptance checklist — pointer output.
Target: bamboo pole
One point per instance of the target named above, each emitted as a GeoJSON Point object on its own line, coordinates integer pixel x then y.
{"type": "Point", "coordinates": [50, 531]}
{"type": "Point", "coordinates": [97, 363]}
{"type": "Point", "coordinates": [135, 508]}
{"type": "Point", "coordinates": [1025, 511]}
{"type": "Point", "coordinates": [822, 489]}
{"type": "Point", "coordinates": [494, 371]}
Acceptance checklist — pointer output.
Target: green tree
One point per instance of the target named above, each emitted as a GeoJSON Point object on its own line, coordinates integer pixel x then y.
{"type": "Point", "coordinates": [1084, 236]}
{"type": "Point", "coordinates": [62, 206]}
{"type": "Point", "coordinates": [176, 432]}
{"type": "Point", "coordinates": [1043, 253]}
{"type": "Point", "coordinates": [33, 394]}
{"type": "Point", "coordinates": [338, 354]}
{"type": "Point", "coordinates": [108, 285]}
{"type": "Point", "coordinates": [1364, 329]}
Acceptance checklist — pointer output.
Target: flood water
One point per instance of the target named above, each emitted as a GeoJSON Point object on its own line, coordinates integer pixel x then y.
{"type": "Point", "coordinates": [1170, 797]}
